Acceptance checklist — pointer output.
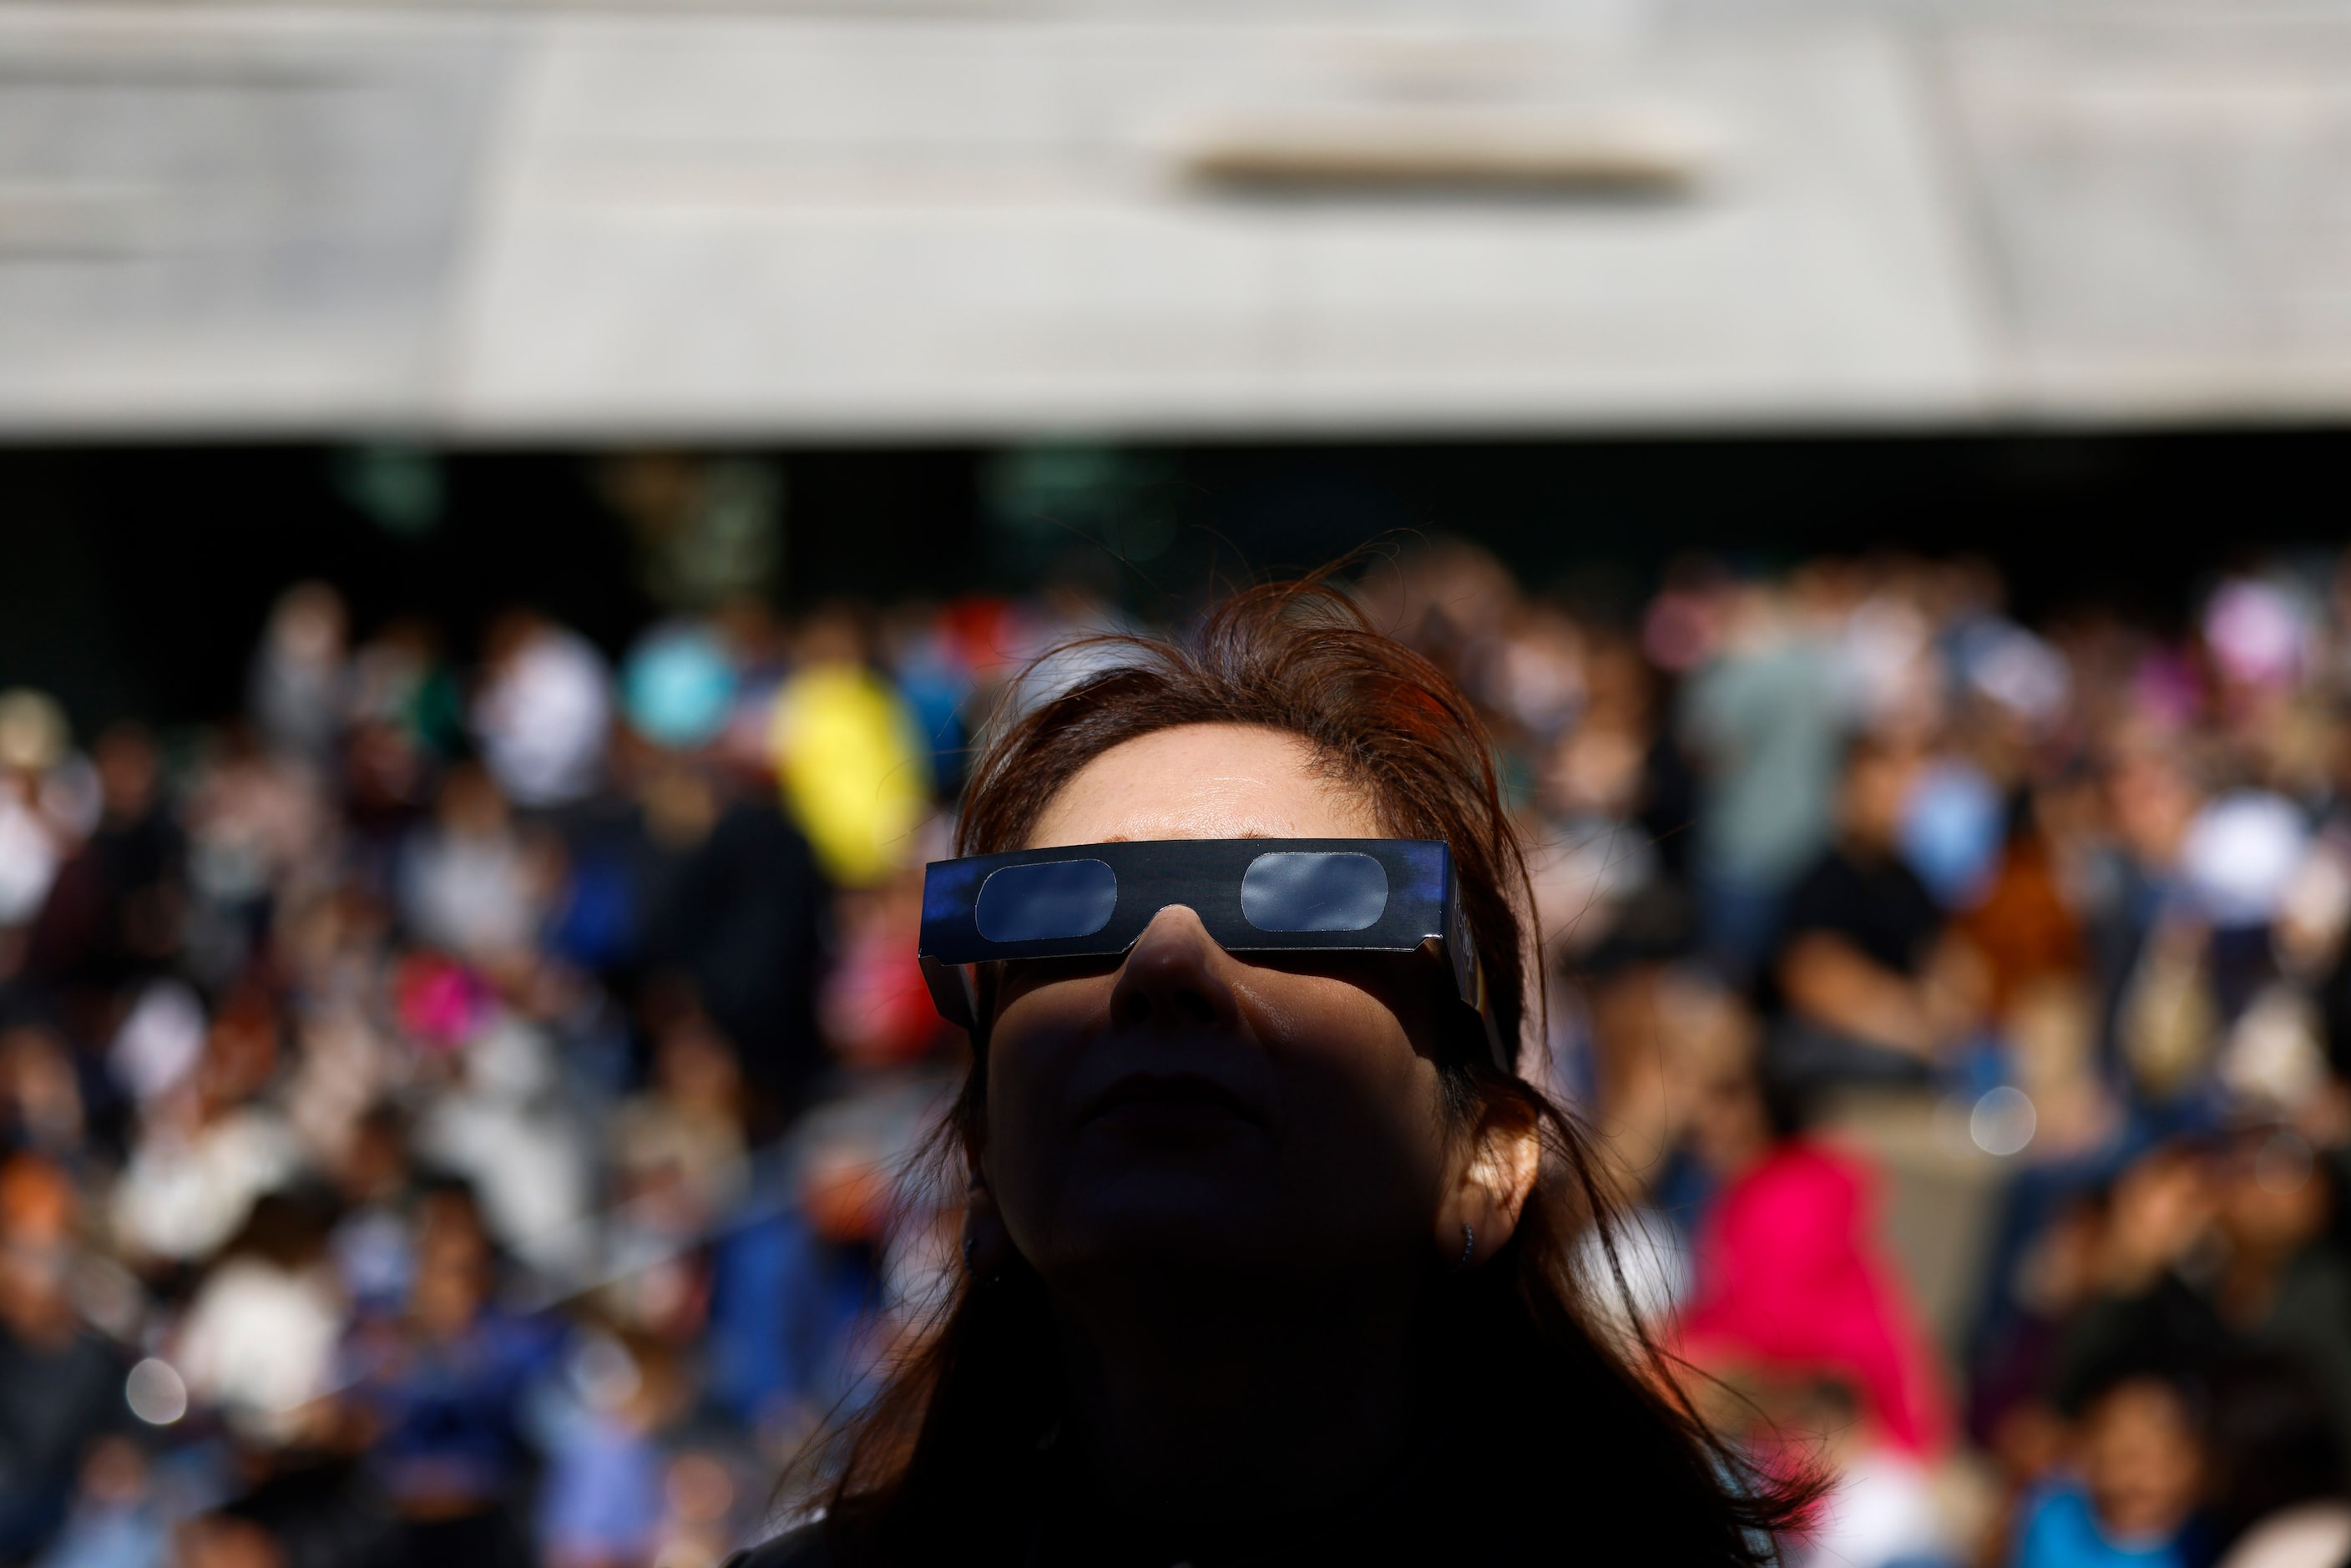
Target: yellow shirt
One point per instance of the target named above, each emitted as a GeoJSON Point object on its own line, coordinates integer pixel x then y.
{"type": "Point", "coordinates": [854, 773]}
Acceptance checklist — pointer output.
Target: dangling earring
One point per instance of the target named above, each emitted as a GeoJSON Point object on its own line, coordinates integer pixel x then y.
{"type": "Point", "coordinates": [1469, 1245]}
{"type": "Point", "coordinates": [986, 1246]}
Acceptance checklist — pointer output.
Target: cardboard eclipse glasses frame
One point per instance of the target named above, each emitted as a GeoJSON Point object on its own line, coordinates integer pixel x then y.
{"type": "Point", "coordinates": [1254, 896]}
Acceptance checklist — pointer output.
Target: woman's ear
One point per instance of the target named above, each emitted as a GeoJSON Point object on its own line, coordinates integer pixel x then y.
{"type": "Point", "coordinates": [1489, 1187]}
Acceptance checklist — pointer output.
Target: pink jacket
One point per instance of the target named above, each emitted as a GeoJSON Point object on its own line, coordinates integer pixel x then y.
{"type": "Point", "coordinates": [1788, 1275]}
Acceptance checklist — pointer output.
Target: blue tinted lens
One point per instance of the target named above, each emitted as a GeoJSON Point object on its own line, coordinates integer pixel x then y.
{"type": "Point", "coordinates": [1314, 891]}
{"type": "Point", "coordinates": [1044, 903]}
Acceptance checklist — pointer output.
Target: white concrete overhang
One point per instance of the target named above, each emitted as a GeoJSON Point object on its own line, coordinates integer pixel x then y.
{"type": "Point", "coordinates": [771, 224]}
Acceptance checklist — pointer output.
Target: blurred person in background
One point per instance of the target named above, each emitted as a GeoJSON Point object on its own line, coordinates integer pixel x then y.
{"type": "Point", "coordinates": [259, 1338]}
{"type": "Point", "coordinates": [682, 1133]}
{"type": "Point", "coordinates": [2208, 1253]}
{"type": "Point", "coordinates": [263, 831]}
{"type": "Point", "coordinates": [1634, 1026]}
{"type": "Point", "coordinates": [793, 1292]}
{"type": "Point", "coordinates": [437, 1391]}
{"type": "Point", "coordinates": [1596, 857]}
{"type": "Point", "coordinates": [2041, 1288]}
{"type": "Point", "coordinates": [849, 754]}
{"type": "Point", "coordinates": [543, 713]}
{"type": "Point", "coordinates": [2134, 1493]}
{"type": "Point", "coordinates": [373, 1241]}
{"type": "Point", "coordinates": [60, 1382]}
{"type": "Point", "coordinates": [296, 692]}
{"type": "Point", "coordinates": [2149, 939]}
{"type": "Point", "coordinates": [209, 1141]}
{"type": "Point", "coordinates": [113, 916]}
{"type": "Point", "coordinates": [679, 1172]}
{"type": "Point", "coordinates": [501, 1120]}
{"type": "Point", "coordinates": [42, 1106]}
{"type": "Point", "coordinates": [465, 882]}
{"type": "Point", "coordinates": [116, 1520]}
{"type": "Point", "coordinates": [1787, 1276]}
{"type": "Point", "coordinates": [1873, 984]}
{"type": "Point", "coordinates": [601, 1505]}
{"type": "Point", "coordinates": [36, 829]}
{"type": "Point", "coordinates": [406, 714]}
{"type": "Point", "coordinates": [259, 1345]}
{"type": "Point", "coordinates": [1765, 718]}
{"type": "Point", "coordinates": [876, 1012]}
{"type": "Point", "coordinates": [2240, 858]}
{"type": "Point", "coordinates": [747, 928]}
{"type": "Point", "coordinates": [800, 1293]}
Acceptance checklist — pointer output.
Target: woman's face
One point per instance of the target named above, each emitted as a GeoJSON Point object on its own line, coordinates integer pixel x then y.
{"type": "Point", "coordinates": [1182, 1108]}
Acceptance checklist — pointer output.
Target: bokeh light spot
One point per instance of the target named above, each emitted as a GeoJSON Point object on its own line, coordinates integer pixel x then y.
{"type": "Point", "coordinates": [156, 1393]}
{"type": "Point", "coordinates": [2002, 1122]}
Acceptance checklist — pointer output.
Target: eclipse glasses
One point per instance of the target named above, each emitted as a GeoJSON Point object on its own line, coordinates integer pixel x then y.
{"type": "Point", "coordinates": [1254, 896]}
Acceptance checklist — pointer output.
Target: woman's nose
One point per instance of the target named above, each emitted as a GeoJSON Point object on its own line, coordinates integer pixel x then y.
{"type": "Point", "coordinates": [1174, 977]}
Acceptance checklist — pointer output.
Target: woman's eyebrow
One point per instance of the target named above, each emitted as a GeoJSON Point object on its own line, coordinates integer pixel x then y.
{"type": "Point", "coordinates": [1252, 834]}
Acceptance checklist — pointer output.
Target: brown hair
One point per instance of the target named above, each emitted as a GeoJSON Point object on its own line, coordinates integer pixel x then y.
{"type": "Point", "coordinates": [936, 1459]}
{"type": "Point", "coordinates": [1298, 658]}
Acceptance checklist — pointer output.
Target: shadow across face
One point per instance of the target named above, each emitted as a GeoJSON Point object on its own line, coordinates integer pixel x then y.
{"type": "Point", "coordinates": [1183, 1116]}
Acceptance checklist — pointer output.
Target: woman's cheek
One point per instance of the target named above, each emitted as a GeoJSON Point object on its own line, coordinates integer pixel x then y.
{"type": "Point", "coordinates": [1032, 1053]}
{"type": "Point", "coordinates": [1015, 1154]}
{"type": "Point", "coordinates": [1018, 1071]}
{"type": "Point", "coordinates": [1351, 1033]}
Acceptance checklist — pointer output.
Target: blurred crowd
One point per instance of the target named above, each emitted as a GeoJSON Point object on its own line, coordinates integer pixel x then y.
{"type": "Point", "coordinates": [1964, 1008]}
{"type": "Point", "coordinates": [452, 1111]}
{"type": "Point", "coordinates": [459, 1110]}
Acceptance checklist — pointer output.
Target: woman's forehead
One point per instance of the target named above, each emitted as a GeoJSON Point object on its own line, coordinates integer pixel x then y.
{"type": "Point", "coordinates": [1205, 782]}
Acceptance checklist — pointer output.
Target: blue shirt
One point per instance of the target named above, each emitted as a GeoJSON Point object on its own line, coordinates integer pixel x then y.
{"type": "Point", "coordinates": [2062, 1531]}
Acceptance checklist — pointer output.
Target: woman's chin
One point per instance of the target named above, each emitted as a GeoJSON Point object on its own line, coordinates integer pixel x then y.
{"type": "Point", "coordinates": [1168, 1218]}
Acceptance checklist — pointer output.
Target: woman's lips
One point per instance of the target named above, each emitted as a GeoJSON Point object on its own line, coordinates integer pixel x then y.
{"type": "Point", "coordinates": [1169, 1099]}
